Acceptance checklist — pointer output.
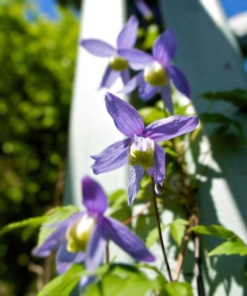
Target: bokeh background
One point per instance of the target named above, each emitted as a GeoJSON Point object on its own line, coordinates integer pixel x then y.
{"type": "Point", "coordinates": [38, 46]}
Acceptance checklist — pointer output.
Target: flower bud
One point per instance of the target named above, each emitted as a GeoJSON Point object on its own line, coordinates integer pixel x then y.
{"type": "Point", "coordinates": [141, 152]}
{"type": "Point", "coordinates": [118, 63]}
{"type": "Point", "coordinates": [156, 74]}
{"type": "Point", "coordinates": [79, 232]}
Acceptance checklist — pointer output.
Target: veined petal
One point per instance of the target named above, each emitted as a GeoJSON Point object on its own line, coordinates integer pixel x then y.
{"type": "Point", "coordinates": [127, 37]}
{"type": "Point", "coordinates": [111, 158]}
{"type": "Point", "coordinates": [125, 239]}
{"type": "Point", "coordinates": [171, 127]}
{"type": "Point", "coordinates": [125, 76]}
{"type": "Point", "coordinates": [157, 172]}
{"type": "Point", "coordinates": [94, 198]}
{"type": "Point", "coordinates": [97, 47]}
{"type": "Point", "coordinates": [96, 246]}
{"type": "Point", "coordinates": [57, 238]}
{"type": "Point", "coordinates": [137, 59]}
{"type": "Point", "coordinates": [179, 80]}
{"type": "Point", "coordinates": [126, 118]}
{"type": "Point", "coordinates": [109, 77]}
{"type": "Point", "coordinates": [65, 259]}
{"type": "Point", "coordinates": [135, 177]}
{"type": "Point", "coordinates": [133, 83]}
{"type": "Point", "coordinates": [147, 91]}
{"type": "Point", "coordinates": [165, 46]}
{"type": "Point", "coordinates": [167, 97]}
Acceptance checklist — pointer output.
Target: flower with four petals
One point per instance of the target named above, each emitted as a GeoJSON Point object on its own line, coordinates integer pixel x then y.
{"type": "Point", "coordinates": [158, 73]}
{"type": "Point", "coordinates": [118, 66]}
{"type": "Point", "coordinates": [83, 236]}
{"type": "Point", "coordinates": [140, 149]}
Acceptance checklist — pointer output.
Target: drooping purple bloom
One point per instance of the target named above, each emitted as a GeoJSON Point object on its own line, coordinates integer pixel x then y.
{"type": "Point", "coordinates": [118, 66]}
{"type": "Point", "coordinates": [82, 237]}
{"type": "Point", "coordinates": [139, 149]}
{"type": "Point", "coordinates": [158, 73]}
{"type": "Point", "coordinates": [144, 9]}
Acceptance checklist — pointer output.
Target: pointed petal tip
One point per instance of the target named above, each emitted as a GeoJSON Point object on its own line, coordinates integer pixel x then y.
{"type": "Point", "coordinates": [149, 258]}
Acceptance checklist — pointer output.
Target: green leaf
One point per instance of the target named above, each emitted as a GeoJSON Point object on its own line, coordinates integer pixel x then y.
{"type": "Point", "coordinates": [117, 198]}
{"type": "Point", "coordinates": [55, 215]}
{"type": "Point", "coordinates": [236, 97]}
{"type": "Point", "coordinates": [64, 283]}
{"type": "Point", "coordinates": [151, 114]}
{"type": "Point", "coordinates": [178, 227]}
{"type": "Point", "coordinates": [171, 152]}
{"type": "Point", "coordinates": [231, 247]}
{"type": "Point", "coordinates": [153, 236]}
{"type": "Point", "coordinates": [221, 119]}
{"type": "Point", "coordinates": [215, 230]}
{"type": "Point", "coordinates": [34, 222]}
{"type": "Point", "coordinates": [177, 289]}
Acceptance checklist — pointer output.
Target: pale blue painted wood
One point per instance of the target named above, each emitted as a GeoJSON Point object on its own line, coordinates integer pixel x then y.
{"type": "Point", "coordinates": [209, 56]}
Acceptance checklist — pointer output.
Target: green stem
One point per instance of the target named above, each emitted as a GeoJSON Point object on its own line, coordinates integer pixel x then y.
{"type": "Point", "coordinates": [160, 233]}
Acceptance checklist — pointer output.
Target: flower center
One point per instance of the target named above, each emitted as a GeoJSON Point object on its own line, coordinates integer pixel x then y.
{"type": "Point", "coordinates": [141, 152]}
{"type": "Point", "coordinates": [156, 74]}
{"type": "Point", "coordinates": [79, 232]}
{"type": "Point", "coordinates": [118, 63]}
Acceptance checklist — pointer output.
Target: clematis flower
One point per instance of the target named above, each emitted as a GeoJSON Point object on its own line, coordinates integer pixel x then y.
{"type": "Point", "coordinates": [140, 149]}
{"type": "Point", "coordinates": [144, 9]}
{"type": "Point", "coordinates": [118, 66]}
{"type": "Point", "coordinates": [82, 237]}
{"type": "Point", "coordinates": [158, 74]}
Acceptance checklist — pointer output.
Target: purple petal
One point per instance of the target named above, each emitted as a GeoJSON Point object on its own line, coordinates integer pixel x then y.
{"type": "Point", "coordinates": [128, 241]}
{"type": "Point", "coordinates": [179, 80]}
{"type": "Point", "coordinates": [135, 177]}
{"type": "Point", "coordinates": [171, 127]}
{"type": "Point", "coordinates": [143, 8]}
{"type": "Point", "coordinates": [98, 47]}
{"type": "Point", "coordinates": [133, 83]}
{"type": "Point", "coordinates": [112, 157]}
{"type": "Point", "coordinates": [65, 259]}
{"type": "Point", "coordinates": [157, 172]}
{"type": "Point", "coordinates": [127, 37]}
{"type": "Point", "coordinates": [94, 198]}
{"type": "Point", "coordinates": [96, 246]}
{"type": "Point", "coordinates": [165, 46]}
{"type": "Point", "coordinates": [137, 59]}
{"type": "Point", "coordinates": [167, 97]}
{"type": "Point", "coordinates": [125, 76]}
{"type": "Point", "coordinates": [109, 77]}
{"type": "Point", "coordinates": [147, 91]}
{"type": "Point", "coordinates": [126, 118]}
{"type": "Point", "coordinates": [57, 238]}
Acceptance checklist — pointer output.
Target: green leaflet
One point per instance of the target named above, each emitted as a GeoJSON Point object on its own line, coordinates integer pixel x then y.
{"type": "Point", "coordinates": [177, 230]}
{"type": "Point", "coordinates": [233, 245]}
{"type": "Point", "coordinates": [236, 97]}
{"type": "Point", "coordinates": [153, 236]}
{"type": "Point", "coordinates": [151, 114]}
{"type": "Point", "coordinates": [177, 289]}
{"type": "Point", "coordinates": [221, 119]}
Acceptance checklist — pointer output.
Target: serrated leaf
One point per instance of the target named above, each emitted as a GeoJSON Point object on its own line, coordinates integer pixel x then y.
{"type": "Point", "coordinates": [34, 222]}
{"type": "Point", "coordinates": [153, 236]}
{"type": "Point", "coordinates": [236, 97]}
{"type": "Point", "coordinates": [215, 230]}
{"type": "Point", "coordinates": [178, 227]}
{"type": "Point", "coordinates": [64, 283]}
{"type": "Point", "coordinates": [177, 289]}
{"type": "Point", "coordinates": [232, 247]}
{"type": "Point", "coordinates": [55, 215]}
{"type": "Point", "coordinates": [207, 118]}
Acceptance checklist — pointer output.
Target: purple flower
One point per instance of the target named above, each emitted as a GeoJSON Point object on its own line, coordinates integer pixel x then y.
{"type": "Point", "coordinates": [139, 149]}
{"type": "Point", "coordinates": [82, 237]}
{"type": "Point", "coordinates": [144, 9]}
{"type": "Point", "coordinates": [158, 73]}
{"type": "Point", "coordinates": [118, 66]}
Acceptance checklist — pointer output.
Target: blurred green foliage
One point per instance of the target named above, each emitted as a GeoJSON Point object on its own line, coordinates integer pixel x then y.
{"type": "Point", "coordinates": [37, 60]}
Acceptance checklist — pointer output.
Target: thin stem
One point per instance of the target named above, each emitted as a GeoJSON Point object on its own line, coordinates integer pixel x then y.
{"type": "Point", "coordinates": [107, 252]}
{"type": "Point", "coordinates": [147, 205]}
{"type": "Point", "coordinates": [160, 233]}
